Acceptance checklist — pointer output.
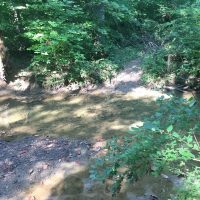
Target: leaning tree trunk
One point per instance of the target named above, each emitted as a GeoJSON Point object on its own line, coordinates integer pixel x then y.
{"type": "Point", "coordinates": [2, 56]}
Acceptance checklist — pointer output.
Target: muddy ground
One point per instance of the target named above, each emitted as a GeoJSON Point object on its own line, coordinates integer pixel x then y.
{"type": "Point", "coordinates": [48, 138]}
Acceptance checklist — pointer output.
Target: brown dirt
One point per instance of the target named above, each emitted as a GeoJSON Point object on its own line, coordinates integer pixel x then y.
{"type": "Point", "coordinates": [95, 114]}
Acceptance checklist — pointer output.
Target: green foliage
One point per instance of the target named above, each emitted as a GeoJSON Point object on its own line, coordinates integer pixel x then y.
{"type": "Point", "coordinates": [70, 41]}
{"type": "Point", "coordinates": [173, 46]}
{"type": "Point", "coordinates": [9, 26]}
{"type": "Point", "coordinates": [66, 38]}
{"type": "Point", "coordinates": [184, 31]}
{"type": "Point", "coordinates": [191, 188]}
{"type": "Point", "coordinates": [167, 141]}
{"type": "Point", "coordinates": [63, 43]}
{"type": "Point", "coordinates": [121, 56]}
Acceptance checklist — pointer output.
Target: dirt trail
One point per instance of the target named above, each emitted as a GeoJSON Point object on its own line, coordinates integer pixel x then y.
{"type": "Point", "coordinates": [47, 138]}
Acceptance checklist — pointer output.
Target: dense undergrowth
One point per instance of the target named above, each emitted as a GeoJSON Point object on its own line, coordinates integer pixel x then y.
{"type": "Point", "coordinates": [75, 41]}
{"type": "Point", "coordinates": [167, 142]}
{"type": "Point", "coordinates": [175, 49]}
{"type": "Point", "coordinates": [70, 41]}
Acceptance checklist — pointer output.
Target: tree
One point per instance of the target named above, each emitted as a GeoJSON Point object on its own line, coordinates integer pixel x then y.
{"type": "Point", "coordinates": [2, 56]}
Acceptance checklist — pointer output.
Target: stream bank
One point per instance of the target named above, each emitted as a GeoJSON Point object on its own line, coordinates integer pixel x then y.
{"type": "Point", "coordinates": [37, 127]}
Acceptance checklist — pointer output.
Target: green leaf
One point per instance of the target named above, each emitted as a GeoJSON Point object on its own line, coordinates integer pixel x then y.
{"type": "Point", "coordinates": [170, 128]}
{"type": "Point", "coordinates": [53, 33]}
{"type": "Point", "coordinates": [196, 147]}
{"type": "Point", "coordinates": [189, 139]}
{"type": "Point", "coordinates": [192, 103]}
{"type": "Point", "coordinates": [176, 135]}
{"type": "Point", "coordinates": [186, 153]}
{"type": "Point", "coordinates": [53, 24]}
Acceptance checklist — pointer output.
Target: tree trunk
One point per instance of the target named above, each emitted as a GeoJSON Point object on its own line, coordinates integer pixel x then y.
{"type": "Point", "coordinates": [2, 56]}
{"type": "Point", "coordinates": [2, 70]}
{"type": "Point", "coordinates": [169, 62]}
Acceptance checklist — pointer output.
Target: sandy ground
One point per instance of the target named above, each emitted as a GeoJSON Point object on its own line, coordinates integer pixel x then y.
{"type": "Point", "coordinates": [38, 151]}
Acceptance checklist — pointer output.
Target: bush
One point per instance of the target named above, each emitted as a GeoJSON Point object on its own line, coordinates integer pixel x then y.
{"type": "Point", "coordinates": [67, 39]}
{"type": "Point", "coordinates": [71, 45]}
{"type": "Point", "coordinates": [177, 47]}
{"type": "Point", "coordinates": [167, 141]}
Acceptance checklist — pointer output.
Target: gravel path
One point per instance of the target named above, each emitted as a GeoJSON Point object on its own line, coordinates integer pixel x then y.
{"type": "Point", "coordinates": [33, 159]}
{"type": "Point", "coordinates": [128, 81]}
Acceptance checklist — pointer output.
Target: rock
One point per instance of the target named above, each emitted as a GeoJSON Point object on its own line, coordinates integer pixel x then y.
{"type": "Point", "coordinates": [45, 166]}
{"type": "Point", "coordinates": [31, 171]}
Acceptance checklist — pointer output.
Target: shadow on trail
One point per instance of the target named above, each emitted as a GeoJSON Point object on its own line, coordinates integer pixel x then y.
{"type": "Point", "coordinates": [36, 116]}
{"type": "Point", "coordinates": [80, 116]}
{"type": "Point", "coordinates": [126, 87]}
{"type": "Point", "coordinates": [17, 62]}
{"type": "Point", "coordinates": [24, 163]}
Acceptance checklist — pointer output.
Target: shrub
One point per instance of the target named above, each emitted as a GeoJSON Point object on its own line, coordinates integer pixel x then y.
{"type": "Point", "coordinates": [167, 141]}
{"type": "Point", "coordinates": [177, 47]}
{"type": "Point", "coordinates": [68, 42]}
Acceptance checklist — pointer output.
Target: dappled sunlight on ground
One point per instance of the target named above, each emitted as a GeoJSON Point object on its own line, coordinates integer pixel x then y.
{"type": "Point", "coordinates": [105, 111]}
{"type": "Point", "coordinates": [44, 189]}
{"type": "Point", "coordinates": [71, 182]}
{"type": "Point", "coordinates": [97, 115]}
{"type": "Point", "coordinates": [77, 116]}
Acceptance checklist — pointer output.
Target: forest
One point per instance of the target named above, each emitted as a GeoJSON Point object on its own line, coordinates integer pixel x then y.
{"type": "Point", "coordinates": [80, 41]}
{"type": "Point", "coordinates": [89, 42]}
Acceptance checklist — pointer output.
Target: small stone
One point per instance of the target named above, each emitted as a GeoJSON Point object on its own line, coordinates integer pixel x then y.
{"type": "Point", "coordinates": [84, 151]}
{"type": "Point", "coordinates": [50, 145]}
{"type": "Point", "coordinates": [31, 171]}
{"type": "Point", "coordinates": [153, 197]}
{"type": "Point", "coordinates": [32, 198]}
{"type": "Point", "coordinates": [164, 176]}
{"type": "Point", "coordinates": [15, 181]}
{"type": "Point", "coordinates": [45, 166]}
{"type": "Point", "coordinates": [97, 149]}
{"type": "Point", "coordinates": [2, 176]}
{"type": "Point", "coordinates": [42, 183]}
